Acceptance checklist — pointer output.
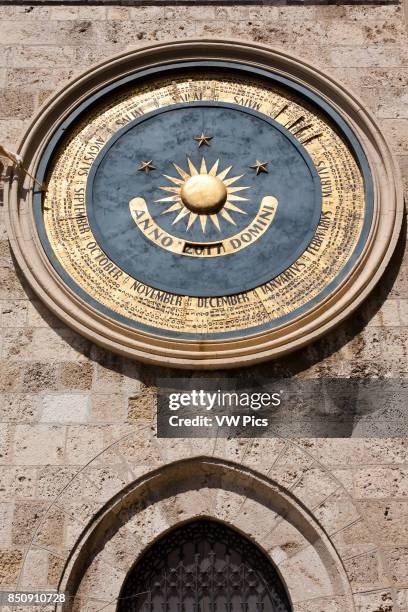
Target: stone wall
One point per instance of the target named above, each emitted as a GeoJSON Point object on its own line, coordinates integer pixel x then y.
{"type": "Point", "coordinates": [64, 401]}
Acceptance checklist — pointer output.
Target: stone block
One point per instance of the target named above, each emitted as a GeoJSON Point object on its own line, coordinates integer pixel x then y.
{"type": "Point", "coordinates": [50, 532]}
{"type": "Point", "coordinates": [103, 483]}
{"type": "Point", "coordinates": [10, 376]}
{"type": "Point", "coordinates": [396, 131]}
{"type": "Point", "coordinates": [386, 314]}
{"type": "Point", "coordinates": [396, 563]}
{"type": "Point", "coordinates": [364, 571]}
{"type": "Point", "coordinates": [108, 371]}
{"type": "Point", "coordinates": [80, 509]}
{"type": "Point", "coordinates": [17, 483]}
{"type": "Point", "coordinates": [315, 486]}
{"type": "Point", "coordinates": [10, 565]}
{"type": "Point", "coordinates": [388, 520]}
{"type": "Point", "coordinates": [142, 407]}
{"type": "Point", "coordinates": [306, 576]}
{"type": "Point", "coordinates": [52, 480]}
{"type": "Point", "coordinates": [16, 103]}
{"type": "Point", "coordinates": [10, 285]}
{"type": "Point", "coordinates": [403, 311]}
{"type": "Point", "coordinates": [19, 408]}
{"type": "Point", "coordinates": [31, 56]}
{"type": "Point", "coordinates": [65, 408]}
{"type": "Point", "coordinates": [39, 444]}
{"type": "Point", "coordinates": [107, 408]}
{"type": "Point", "coordinates": [14, 313]}
{"type": "Point", "coordinates": [121, 13]}
{"type": "Point", "coordinates": [355, 539]}
{"type": "Point", "coordinates": [39, 376]}
{"type": "Point", "coordinates": [40, 316]}
{"type": "Point", "coordinates": [293, 456]}
{"type": "Point", "coordinates": [6, 518]}
{"type": "Point", "coordinates": [74, 375]}
{"type": "Point", "coordinates": [255, 519]}
{"type": "Point", "coordinates": [378, 601]}
{"type": "Point", "coordinates": [285, 477]}
{"type": "Point", "coordinates": [55, 567]}
{"type": "Point", "coordinates": [59, 13]}
{"type": "Point", "coordinates": [39, 78]}
{"type": "Point", "coordinates": [336, 511]}
{"type": "Point", "coordinates": [35, 569]}
{"type": "Point", "coordinates": [368, 56]}
{"type": "Point", "coordinates": [283, 541]}
{"type": "Point", "coordinates": [46, 344]}
{"type": "Point", "coordinates": [28, 13]}
{"type": "Point", "coordinates": [402, 599]}
{"type": "Point", "coordinates": [26, 519]}
{"type": "Point", "coordinates": [369, 12]}
{"type": "Point", "coordinates": [83, 444]}
{"type": "Point", "coordinates": [326, 604]}
{"type": "Point", "coordinates": [381, 482]}
{"type": "Point", "coordinates": [6, 443]}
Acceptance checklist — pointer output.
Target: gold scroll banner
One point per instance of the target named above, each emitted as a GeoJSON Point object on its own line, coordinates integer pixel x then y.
{"type": "Point", "coordinates": [157, 235]}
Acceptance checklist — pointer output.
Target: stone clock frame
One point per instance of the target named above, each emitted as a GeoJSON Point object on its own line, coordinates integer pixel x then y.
{"type": "Point", "coordinates": [211, 354]}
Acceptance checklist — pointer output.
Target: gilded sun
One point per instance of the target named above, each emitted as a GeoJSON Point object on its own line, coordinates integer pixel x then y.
{"type": "Point", "coordinates": [203, 194]}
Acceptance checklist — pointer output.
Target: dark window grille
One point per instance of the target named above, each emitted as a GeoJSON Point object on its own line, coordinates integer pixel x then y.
{"type": "Point", "coordinates": [203, 566]}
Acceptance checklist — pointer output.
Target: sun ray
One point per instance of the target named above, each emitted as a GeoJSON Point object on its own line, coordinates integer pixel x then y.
{"type": "Point", "coordinates": [169, 199]}
{"type": "Point", "coordinates": [175, 206]}
{"type": "Point", "coordinates": [174, 180]}
{"type": "Point", "coordinates": [235, 198]}
{"type": "Point", "coordinates": [227, 216]}
{"type": "Point", "coordinates": [216, 221]}
{"type": "Point", "coordinates": [235, 189]}
{"type": "Point", "coordinates": [184, 175]}
{"type": "Point", "coordinates": [203, 222]}
{"type": "Point", "coordinates": [213, 171]}
{"type": "Point", "coordinates": [191, 219]}
{"type": "Point", "coordinates": [232, 180]}
{"type": "Point", "coordinates": [183, 212]}
{"type": "Point", "coordinates": [224, 173]}
{"type": "Point", "coordinates": [233, 207]}
{"type": "Point", "coordinates": [193, 169]}
{"type": "Point", "coordinates": [171, 189]}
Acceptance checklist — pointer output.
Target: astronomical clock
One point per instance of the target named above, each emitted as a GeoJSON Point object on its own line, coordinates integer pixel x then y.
{"type": "Point", "coordinates": [205, 205]}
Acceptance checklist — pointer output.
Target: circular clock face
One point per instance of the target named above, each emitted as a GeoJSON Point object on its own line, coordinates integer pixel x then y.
{"type": "Point", "coordinates": [204, 207]}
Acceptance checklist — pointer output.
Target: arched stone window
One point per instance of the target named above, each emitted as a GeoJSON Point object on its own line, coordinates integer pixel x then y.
{"type": "Point", "coordinates": [203, 566]}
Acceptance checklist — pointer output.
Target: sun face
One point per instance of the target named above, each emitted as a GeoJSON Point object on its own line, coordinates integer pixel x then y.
{"type": "Point", "coordinates": [203, 194]}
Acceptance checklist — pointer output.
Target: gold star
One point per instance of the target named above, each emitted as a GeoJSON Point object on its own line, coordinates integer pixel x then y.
{"type": "Point", "coordinates": [260, 167]}
{"type": "Point", "coordinates": [146, 166]}
{"type": "Point", "coordinates": [203, 140]}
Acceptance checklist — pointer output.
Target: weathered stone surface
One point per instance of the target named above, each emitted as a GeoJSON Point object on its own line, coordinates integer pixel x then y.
{"type": "Point", "coordinates": [74, 375]}
{"type": "Point", "coordinates": [26, 519]}
{"type": "Point", "coordinates": [39, 445]}
{"type": "Point", "coordinates": [39, 376]}
{"type": "Point", "coordinates": [65, 408]}
{"type": "Point", "coordinates": [6, 519]}
{"type": "Point", "coordinates": [142, 408]}
{"type": "Point", "coordinates": [10, 376]}
{"type": "Point", "coordinates": [83, 444]}
{"type": "Point", "coordinates": [35, 568]}
{"type": "Point", "coordinates": [17, 483]}
{"type": "Point", "coordinates": [107, 408]}
{"type": "Point", "coordinates": [55, 567]}
{"type": "Point", "coordinates": [10, 564]}
{"type": "Point", "coordinates": [52, 481]}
